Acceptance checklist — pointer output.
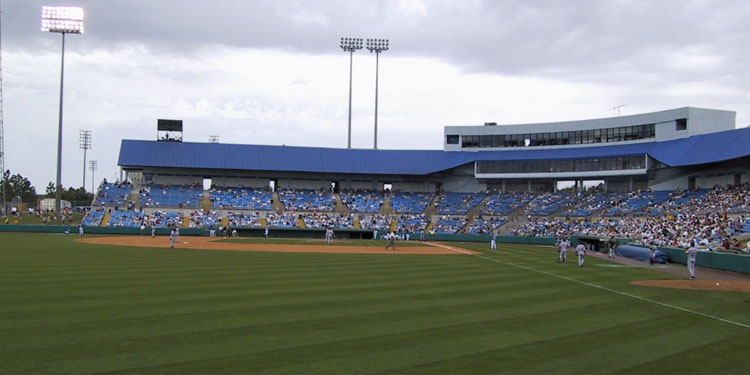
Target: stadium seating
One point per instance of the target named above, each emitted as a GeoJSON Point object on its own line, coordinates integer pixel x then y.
{"type": "Point", "coordinates": [94, 218]}
{"type": "Point", "coordinates": [306, 200]}
{"type": "Point", "coordinates": [366, 201]}
{"type": "Point", "coordinates": [285, 220]}
{"type": "Point", "coordinates": [126, 219]}
{"type": "Point", "coordinates": [484, 226]}
{"type": "Point", "coordinates": [411, 203]}
{"type": "Point", "coordinates": [240, 198]}
{"type": "Point", "coordinates": [413, 223]}
{"type": "Point", "coordinates": [113, 195]}
{"type": "Point", "coordinates": [166, 219]}
{"type": "Point", "coordinates": [449, 226]}
{"type": "Point", "coordinates": [379, 222]}
{"type": "Point", "coordinates": [457, 203]}
{"type": "Point", "coordinates": [505, 203]}
{"type": "Point", "coordinates": [201, 219]}
{"type": "Point", "coordinates": [327, 221]}
{"type": "Point", "coordinates": [171, 196]}
{"type": "Point", "coordinates": [240, 219]}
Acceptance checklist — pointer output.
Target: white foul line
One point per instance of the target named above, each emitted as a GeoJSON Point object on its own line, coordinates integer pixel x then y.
{"type": "Point", "coordinates": [593, 285]}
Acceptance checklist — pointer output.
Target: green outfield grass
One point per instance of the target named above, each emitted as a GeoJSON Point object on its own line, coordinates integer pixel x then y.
{"type": "Point", "coordinates": [67, 307]}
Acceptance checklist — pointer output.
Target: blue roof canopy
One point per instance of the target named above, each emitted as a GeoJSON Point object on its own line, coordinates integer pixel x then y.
{"type": "Point", "coordinates": [699, 149]}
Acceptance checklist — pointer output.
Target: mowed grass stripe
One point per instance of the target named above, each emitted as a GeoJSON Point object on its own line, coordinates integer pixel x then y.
{"type": "Point", "coordinates": [350, 314]}
{"type": "Point", "coordinates": [310, 344]}
{"type": "Point", "coordinates": [285, 314]}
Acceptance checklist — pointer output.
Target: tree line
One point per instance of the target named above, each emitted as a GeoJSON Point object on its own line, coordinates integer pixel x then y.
{"type": "Point", "coordinates": [17, 186]}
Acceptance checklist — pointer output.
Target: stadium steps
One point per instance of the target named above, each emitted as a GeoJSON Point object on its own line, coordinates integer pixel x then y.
{"type": "Point", "coordinates": [301, 222]}
{"type": "Point", "coordinates": [263, 222]}
{"type": "Point", "coordinates": [394, 224]}
{"type": "Point", "coordinates": [429, 226]}
{"type": "Point", "coordinates": [105, 221]}
{"type": "Point", "coordinates": [276, 204]}
{"type": "Point", "coordinates": [225, 222]}
{"type": "Point", "coordinates": [476, 210]}
{"type": "Point", "coordinates": [430, 209]}
{"type": "Point", "coordinates": [341, 208]}
{"type": "Point", "coordinates": [186, 221]}
{"type": "Point", "coordinates": [357, 225]}
{"type": "Point", "coordinates": [206, 203]}
{"type": "Point", "coordinates": [386, 209]}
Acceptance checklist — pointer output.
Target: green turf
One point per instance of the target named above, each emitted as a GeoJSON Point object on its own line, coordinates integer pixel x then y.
{"type": "Point", "coordinates": [74, 308]}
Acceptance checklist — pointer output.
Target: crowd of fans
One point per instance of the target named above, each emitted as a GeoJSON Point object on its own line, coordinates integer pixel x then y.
{"type": "Point", "coordinates": [306, 200]}
{"type": "Point", "coordinates": [318, 220]}
{"type": "Point", "coordinates": [366, 201]}
{"type": "Point", "coordinates": [379, 222]}
{"type": "Point", "coordinates": [712, 217]}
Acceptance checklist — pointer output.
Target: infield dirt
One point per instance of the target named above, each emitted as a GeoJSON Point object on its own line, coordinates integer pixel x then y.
{"type": "Point", "coordinates": [208, 243]}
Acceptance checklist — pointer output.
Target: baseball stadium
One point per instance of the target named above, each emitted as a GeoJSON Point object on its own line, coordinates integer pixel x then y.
{"type": "Point", "coordinates": [210, 257]}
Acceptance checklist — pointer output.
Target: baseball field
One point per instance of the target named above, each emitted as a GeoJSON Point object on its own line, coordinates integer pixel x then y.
{"type": "Point", "coordinates": [124, 305]}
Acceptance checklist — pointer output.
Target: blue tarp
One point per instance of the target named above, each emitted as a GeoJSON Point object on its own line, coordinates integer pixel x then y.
{"type": "Point", "coordinates": [641, 253]}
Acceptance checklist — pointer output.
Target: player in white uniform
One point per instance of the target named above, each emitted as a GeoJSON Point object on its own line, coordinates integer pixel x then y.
{"type": "Point", "coordinates": [581, 251]}
{"type": "Point", "coordinates": [329, 236]}
{"type": "Point", "coordinates": [172, 238]}
{"type": "Point", "coordinates": [692, 253]}
{"type": "Point", "coordinates": [564, 244]}
{"type": "Point", "coordinates": [493, 241]}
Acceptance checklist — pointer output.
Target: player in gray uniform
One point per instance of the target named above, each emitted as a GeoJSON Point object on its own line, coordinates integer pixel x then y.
{"type": "Point", "coordinates": [612, 246]}
{"type": "Point", "coordinates": [581, 251]}
{"type": "Point", "coordinates": [564, 244]}
{"type": "Point", "coordinates": [493, 241]}
{"type": "Point", "coordinates": [692, 253]}
{"type": "Point", "coordinates": [172, 238]}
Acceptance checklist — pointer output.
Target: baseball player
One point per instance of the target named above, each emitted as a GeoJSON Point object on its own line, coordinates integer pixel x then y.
{"type": "Point", "coordinates": [329, 236]}
{"type": "Point", "coordinates": [493, 241]}
{"type": "Point", "coordinates": [172, 238]}
{"type": "Point", "coordinates": [612, 246]}
{"type": "Point", "coordinates": [652, 256]}
{"type": "Point", "coordinates": [564, 244]}
{"type": "Point", "coordinates": [692, 253]}
{"type": "Point", "coordinates": [581, 251]}
{"type": "Point", "coordinates": [391, 241]}
{"type": "Point", "coordinates": [153, 231]}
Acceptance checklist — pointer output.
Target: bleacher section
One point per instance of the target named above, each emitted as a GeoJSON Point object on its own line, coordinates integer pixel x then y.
{"type": "Point", "coordinates": [94, 218]}
{"type": "Point", "coordinates": [411, 203]}
{"type": "Point", "coordinates": [380, 222]}
{"type": "Point", "coordinates": [484, 226]}
{"type": "Point", "coordinates": [449, 226]}
{"type": "Point", "coordinates": [365, 201]}
{"type": "Point", "coordinates": [113, 195]}
{"type": "Point", "coordinates": [240, 198]}
{"type": "Point", "coordinates": [328, 221]}
{"type": "Point", "coordinates": [126, 219]}
{"type": "Point", "coordinates": [457, 203]}
{"type": "Point", "coordinates": [178, 196]}
{"type": "Point", "coordinates": [505, 203]}
{"type": "Point", "coordinates": [413, 223]}
{"type": "Point", "coordinates": [548, 203]}
{"type": "Point", "coordinates": [205, 219]}
{"type": "Point", "coordinates": [239, 219]}
{"type": "Point", "coordinates": [285, 220]}
{"type": "Point", "coordinates": [307, 200]}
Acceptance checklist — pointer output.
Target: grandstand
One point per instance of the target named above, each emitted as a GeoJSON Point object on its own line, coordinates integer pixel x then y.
{"type": "Point", "coordinates": [506, 178]}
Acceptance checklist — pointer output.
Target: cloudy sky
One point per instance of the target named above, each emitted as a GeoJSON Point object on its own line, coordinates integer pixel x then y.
{"type": "Point", "coordinates": [272, 72]}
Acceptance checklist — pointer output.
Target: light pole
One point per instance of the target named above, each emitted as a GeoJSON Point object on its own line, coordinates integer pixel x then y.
{"type": "Point", "coordinates": [93, 164]}
{"type": "Point", "coordinates": [377, 46]}
{"type": "Point", "coordinates": [350, 45]}
{"type": "Point", "coordinates": [84, 143]}
{"type": "Point", "coordinates": [63, 20]}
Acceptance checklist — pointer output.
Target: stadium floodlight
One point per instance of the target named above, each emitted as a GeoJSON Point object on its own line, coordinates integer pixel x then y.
{"type": "Point", "coordinates": [63, 20]}
{"type": "Point", "coordinates": [66, 20]}
{"type": "Point", "coordinates": [93, 166]}
{"type": "Point", "coordinates": [377, 46]}
{"type": "Point", "coordinates": [350, 45]}
{"type": "Point", "coordinates": [84, 143]}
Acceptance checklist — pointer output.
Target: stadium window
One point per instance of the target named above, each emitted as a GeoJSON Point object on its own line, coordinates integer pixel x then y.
{"type": "Point", "coordinates": [452, 139]}
{"type": "Point", "coordinates": [387, 187]}
{"type": "Point", "coordinates": [681, 124]}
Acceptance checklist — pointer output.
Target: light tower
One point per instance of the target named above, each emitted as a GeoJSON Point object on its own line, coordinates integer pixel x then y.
{"type": "Point", "coordinates": [350, 45]}
{"type": "Point", "coordinates": [63, 20]}
{"type": "Point", "coordinates": [93, 165]}
{"type": "Point", "coordinates": [84, 143]}
{"type": "Point", "coordinates": [377, 46]}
